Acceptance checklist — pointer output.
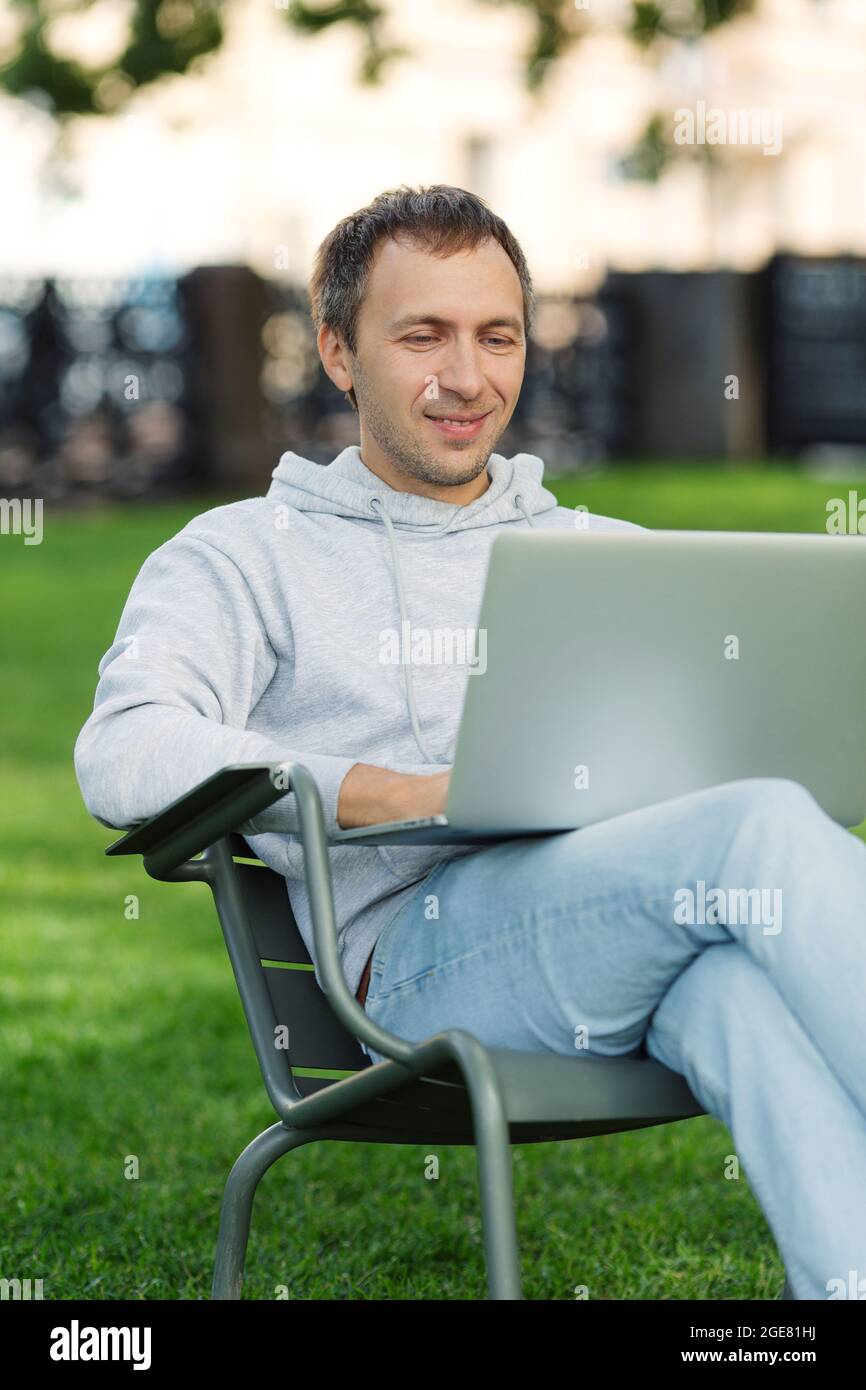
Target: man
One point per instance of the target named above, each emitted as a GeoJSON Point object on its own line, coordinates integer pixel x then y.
{"type": "Point", "coordinates": [266, 630]}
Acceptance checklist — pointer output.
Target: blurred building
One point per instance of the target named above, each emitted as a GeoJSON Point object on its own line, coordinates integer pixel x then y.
{"type": "Point", "coordinates": [252, 159]}
{"type": "Point", "coordinates": [154, 331]}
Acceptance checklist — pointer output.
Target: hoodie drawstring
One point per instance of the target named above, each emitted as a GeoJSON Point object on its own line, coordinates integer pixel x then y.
{"type": "Point", "coordinates": [404, 615]}
{"type": "Point", "coordinates": [518, 502]}
{"type": "Point", "coordinates": [404, 619]}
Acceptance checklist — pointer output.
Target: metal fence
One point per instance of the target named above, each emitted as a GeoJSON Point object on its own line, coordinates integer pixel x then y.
{"type": "Point", "coordinates": [149, 387]}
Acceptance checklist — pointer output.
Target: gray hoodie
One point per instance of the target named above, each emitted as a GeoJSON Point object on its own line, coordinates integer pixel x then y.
{"type": "Point", "coordinates": [265, 631]}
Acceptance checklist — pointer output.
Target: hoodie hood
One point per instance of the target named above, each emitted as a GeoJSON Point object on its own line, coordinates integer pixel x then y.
{"type": "Point", "coordinates": [348, 488]}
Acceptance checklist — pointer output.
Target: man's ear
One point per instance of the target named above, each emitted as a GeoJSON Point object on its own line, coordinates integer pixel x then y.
{"type": "Point", "coordinates": [335, 357]}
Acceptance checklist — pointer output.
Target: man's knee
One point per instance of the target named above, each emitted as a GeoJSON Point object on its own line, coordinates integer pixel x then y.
{"type": "Point", "coordinates": [771, 797]}
{"type": "Point", "coordinates": [722, 1001]}
{"type": "Point", "coordinates": [768, 809]}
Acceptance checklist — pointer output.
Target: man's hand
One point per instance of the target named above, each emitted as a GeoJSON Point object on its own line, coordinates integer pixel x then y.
{"type": "Point", "coordinates": [369, 795]}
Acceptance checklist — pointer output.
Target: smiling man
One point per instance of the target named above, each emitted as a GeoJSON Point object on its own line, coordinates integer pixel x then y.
{"type": "Point", "coordinates": [435, 387]}
{"type": "Point", "coordinates": [257, 634]}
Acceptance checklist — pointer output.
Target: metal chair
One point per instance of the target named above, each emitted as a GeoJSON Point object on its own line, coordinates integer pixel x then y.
{"type": "Point", "coordinates": [450, 1089]}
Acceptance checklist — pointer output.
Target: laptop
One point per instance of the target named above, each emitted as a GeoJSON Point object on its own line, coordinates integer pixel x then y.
{"type": "Point", "coordinates": [628, 667]}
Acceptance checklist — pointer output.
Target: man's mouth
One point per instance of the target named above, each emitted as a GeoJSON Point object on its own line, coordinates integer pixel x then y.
{"type": "Point", "coordinates": [459, 426]}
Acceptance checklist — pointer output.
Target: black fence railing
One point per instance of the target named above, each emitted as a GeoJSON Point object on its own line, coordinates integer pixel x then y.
{"type": "Point", "coordinates": [816, 352]}
{"type": "Point", "coordinates": [148, 387]}
{"type": "Point", "coordinates": [95, 388]}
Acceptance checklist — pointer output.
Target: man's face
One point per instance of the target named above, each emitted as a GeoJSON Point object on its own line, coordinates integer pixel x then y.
{"type": "Point", "coordinates": [437, 338]}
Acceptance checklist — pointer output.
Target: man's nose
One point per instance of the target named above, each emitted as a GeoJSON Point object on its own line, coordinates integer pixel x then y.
{"type": "Point", "coordinates": [461, 374]}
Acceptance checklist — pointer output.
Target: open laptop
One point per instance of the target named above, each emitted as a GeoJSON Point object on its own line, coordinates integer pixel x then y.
{"type": "Point", "coordinates": [627, 667]}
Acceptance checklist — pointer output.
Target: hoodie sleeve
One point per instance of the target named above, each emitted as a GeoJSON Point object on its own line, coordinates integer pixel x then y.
{"type": "Point", "coordinates": [188, 664]}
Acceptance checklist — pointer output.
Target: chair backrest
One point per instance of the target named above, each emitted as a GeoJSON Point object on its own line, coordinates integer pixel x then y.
{"type": "Point", "coordinates": [319, 1048]}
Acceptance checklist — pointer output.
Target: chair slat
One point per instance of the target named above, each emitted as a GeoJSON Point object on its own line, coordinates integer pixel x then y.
{"type": "Point", "coordinates": [270, 915]}
{"type": "Point", "coordinates": [316, 1037]}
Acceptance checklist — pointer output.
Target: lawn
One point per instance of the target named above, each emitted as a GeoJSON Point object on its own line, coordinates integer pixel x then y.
{"type": "Point", "coordinates": [123, 1040]}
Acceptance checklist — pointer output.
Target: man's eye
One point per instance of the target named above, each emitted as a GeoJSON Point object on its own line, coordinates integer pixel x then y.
{"type": "Point", "coordinates": [428, 337]}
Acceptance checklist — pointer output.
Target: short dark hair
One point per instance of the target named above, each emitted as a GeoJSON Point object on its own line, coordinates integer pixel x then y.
{"type": "Point", "coordinates": [440, 218]}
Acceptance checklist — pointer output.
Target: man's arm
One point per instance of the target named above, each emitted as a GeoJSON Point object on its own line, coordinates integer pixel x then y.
{"type": "Point", "coordinates": [370, 795]}
{"type": "Point", "coordinates": [190, 660]}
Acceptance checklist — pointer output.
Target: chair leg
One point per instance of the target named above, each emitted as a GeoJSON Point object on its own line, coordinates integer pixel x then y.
{"type": "Point", "coordinates": [493, 1145]}
{"type": "Point", "coordinates": [237, 1204]}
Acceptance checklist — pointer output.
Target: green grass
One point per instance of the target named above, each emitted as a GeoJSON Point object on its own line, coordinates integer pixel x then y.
{"type": "Point", "coordinates": [125, 1037]}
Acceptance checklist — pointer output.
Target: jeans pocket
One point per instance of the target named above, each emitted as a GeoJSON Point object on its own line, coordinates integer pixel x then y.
{"type": "Point", "coordinates": [386, 953]}
{"type": "Point", "coordinates": [369, 1006]}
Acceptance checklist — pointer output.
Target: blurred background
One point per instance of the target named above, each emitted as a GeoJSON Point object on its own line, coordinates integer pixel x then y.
{"type": "Point", "coordinates": [688, 181]}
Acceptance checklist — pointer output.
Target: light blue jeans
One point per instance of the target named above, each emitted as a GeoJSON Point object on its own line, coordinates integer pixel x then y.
{"type": "Point", "coordinates": [643, 933]}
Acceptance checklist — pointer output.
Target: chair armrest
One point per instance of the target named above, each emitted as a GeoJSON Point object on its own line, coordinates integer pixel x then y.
{"type": "Point", "coordinates": [216, 807]}
{"type": "Point", "coordinates": [204, 815]}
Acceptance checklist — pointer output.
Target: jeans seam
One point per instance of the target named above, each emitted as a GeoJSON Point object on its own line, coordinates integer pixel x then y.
{"type": "Point", "coordinates": [520, 928]}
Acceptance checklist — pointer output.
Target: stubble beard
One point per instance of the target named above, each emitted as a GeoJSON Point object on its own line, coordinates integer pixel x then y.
{"type": "Point", "coordinates": [409, 457]}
